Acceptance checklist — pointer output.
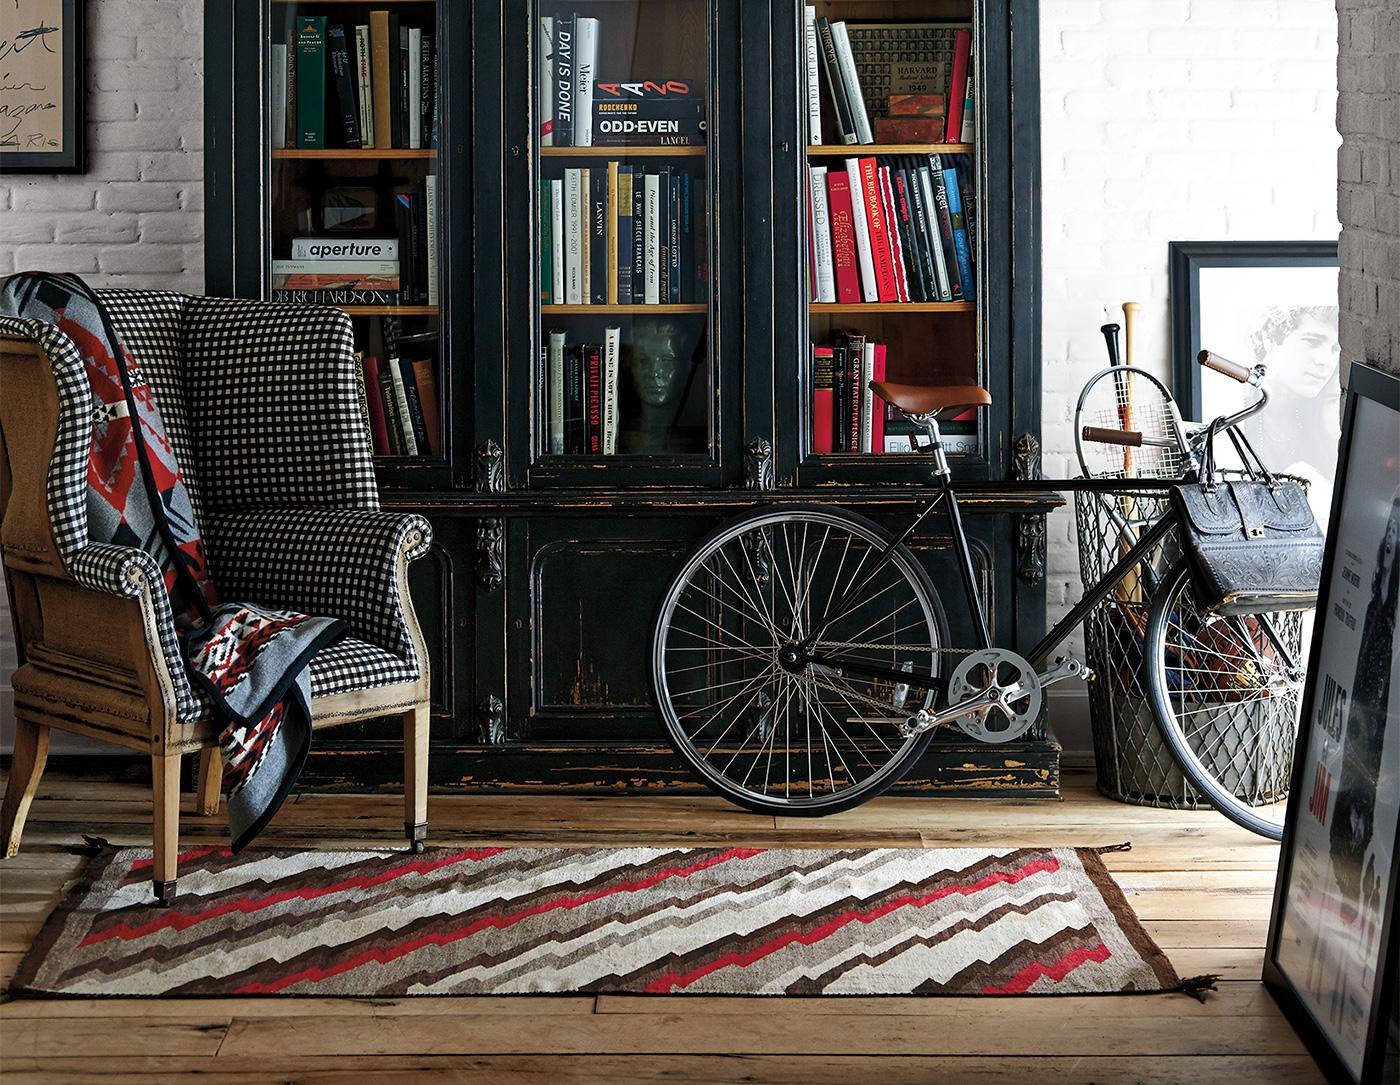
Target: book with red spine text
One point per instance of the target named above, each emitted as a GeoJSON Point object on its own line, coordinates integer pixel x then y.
{"type": "Point", "coordinates": [881, 252]}
{"type": "Point", "coordinates": [823, 399]}
{"type": "Point", "coordinates": [843, 238]}
{"type": "Point", "coordinates": [593, 401]}
{"type": "Point", "coordinates": [877, 419]}
{"type": "Point", "coordinates": [957, 85]}
{"type": "Point", "coordinates": [892, 223]}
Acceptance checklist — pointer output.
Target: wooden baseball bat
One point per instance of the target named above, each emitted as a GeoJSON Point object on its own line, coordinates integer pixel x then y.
{"type": "Point", "coordinates": [1131, 309]}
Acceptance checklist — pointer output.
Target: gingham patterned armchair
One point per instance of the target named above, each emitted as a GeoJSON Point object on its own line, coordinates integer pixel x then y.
{"type": "Point", "coordinates": [262, 404]}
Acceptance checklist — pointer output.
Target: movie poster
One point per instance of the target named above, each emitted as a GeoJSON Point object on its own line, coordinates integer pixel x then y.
{"type": "Point", "coordinates": [1344, 834]}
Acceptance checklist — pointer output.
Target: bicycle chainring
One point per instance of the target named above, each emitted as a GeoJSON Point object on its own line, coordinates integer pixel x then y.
{"type": "Point", "coordinates": [1009, 720]}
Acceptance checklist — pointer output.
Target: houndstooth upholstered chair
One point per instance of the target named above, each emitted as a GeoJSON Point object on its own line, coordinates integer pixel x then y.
{"type": "Point", "coordinates": [262, 404]}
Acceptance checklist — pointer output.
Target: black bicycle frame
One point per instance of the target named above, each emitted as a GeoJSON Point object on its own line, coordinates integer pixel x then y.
{"type": "Point", "coordinates": [947, 496]}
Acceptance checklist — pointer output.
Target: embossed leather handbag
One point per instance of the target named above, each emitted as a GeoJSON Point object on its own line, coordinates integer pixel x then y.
{"type": "Point", "coordinates": [1252, 543]}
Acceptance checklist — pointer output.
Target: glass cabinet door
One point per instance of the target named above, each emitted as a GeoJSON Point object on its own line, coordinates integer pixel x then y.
{"type": "Point", "coordinates": [893, 273]}
{"type": "Point", "coordinates": [624, 259]}
{"type": "Point", "coordinates": [356, 203]}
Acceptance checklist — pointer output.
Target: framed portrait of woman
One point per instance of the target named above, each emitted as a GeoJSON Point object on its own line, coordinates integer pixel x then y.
{"type": "Point", "coordinates": [1330, 960]}
{"type": "Point", "coordinates": [1270, 303]}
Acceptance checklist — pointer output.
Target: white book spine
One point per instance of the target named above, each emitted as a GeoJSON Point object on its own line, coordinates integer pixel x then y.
{"type": "Point", "coordinates": [586, 237]}
{"type": "Point", "coordinates": [585, 69]}
{"type": "Point", "coordinates": [401, 402]}
{"type": "Point", "coordinates": [546, 81]}
{"type": "Point", "coordinates": [892, 221]}
{"type": "Point", "coordinates": [842, 40]}
{"type": "Point", "coordinates": [814, 111]}
{"type": "Point", "coordinates": [612, 339]}
{"type": "Point", "coordinates": [365, 84]}
{"type": "Point", "coordinates": [940, 266]}
{"type": "Point", "coordinates": [278, 91]}
{"type": "Point", "coordinates": [556, 236]}
{"type": "Point", "coordinates": [323, 266]}
{"type": "Point", "coordinates": [556, 393]}
{"type": "Point", "coordinates": [969, 108]}
{"type": "Point", "coordinates": [573, 235]}
{"type": "Point", "coordinates": [652, 293]}
{"type": "Point", "coordinates": [821, 236]}
{"type": "Point", "coordinates": [867, 397]}
{"type": "Point", "coordinates": [415, 87]}
{"type": "Point", "coordinates": [431, 215]}
{"type": "Point", "coordinates": [869, 290]}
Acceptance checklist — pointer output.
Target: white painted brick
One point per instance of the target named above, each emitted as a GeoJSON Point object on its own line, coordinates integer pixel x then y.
{"type": "Point", "coordinates": [35, 195]}
{"type": "Point", "coordinates": [138, 196]}
{"type": "Point", "coordinates": [165, 226]}
{"type": "Point", "coordinates": [87, 227]}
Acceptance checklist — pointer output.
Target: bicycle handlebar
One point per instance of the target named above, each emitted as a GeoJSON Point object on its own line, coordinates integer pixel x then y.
{"type": "Point", "coordinates": [1225, 367]}
{"type": "Point", "coordinates": [1129, 437]}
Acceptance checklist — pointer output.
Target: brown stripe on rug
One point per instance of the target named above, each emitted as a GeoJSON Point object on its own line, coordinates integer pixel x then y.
{"type": "Point", "coordinates": [490, 921]}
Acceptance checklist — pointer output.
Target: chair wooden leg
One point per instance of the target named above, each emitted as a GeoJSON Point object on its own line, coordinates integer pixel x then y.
{"type": "Point", "coordinates": [26, 766]}
{"type": "Point", "coordinates": [415, 776]}
{"type": "Point", "coordinates": [165, 843]}
{"type": "Point", "coordinates": [209, 782]}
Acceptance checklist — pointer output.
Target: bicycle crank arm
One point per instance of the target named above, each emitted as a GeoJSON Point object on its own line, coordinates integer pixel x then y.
{"type": "Point", "coordinates": [1064, 668]}
{"type": "Point", "coordinates": [924, 720]}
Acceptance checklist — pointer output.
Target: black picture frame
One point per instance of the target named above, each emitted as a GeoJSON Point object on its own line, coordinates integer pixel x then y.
{"type": "Point", "coordinates": [73, 156]}
{"type": "Point", "coordinates": [1365, 383]}
{"type": "Point", "coordinates": [1185, 261]}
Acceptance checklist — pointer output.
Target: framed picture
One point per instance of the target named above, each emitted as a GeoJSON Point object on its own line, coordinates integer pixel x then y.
{"type": "Point", "coordinates": [42, 86]}
{"type": "Point", "coordinates": [1331, 955]}
{"type": "Point", "coordinates": [1269, 302]}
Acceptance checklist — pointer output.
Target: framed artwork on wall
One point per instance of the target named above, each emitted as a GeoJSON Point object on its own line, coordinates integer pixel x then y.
{"type": "Point", "coordinates": [42, 86]}
{"type": "Point", "coordinates": [1272, 303]}
{"type": "Point", "coordinates": [1331, 955]}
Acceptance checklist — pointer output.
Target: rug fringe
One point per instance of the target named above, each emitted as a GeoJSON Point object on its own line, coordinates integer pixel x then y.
{"type": "Point", "coordinates": [1127, 845]}
{"type": "Point", "coordinates": [1197, 986]}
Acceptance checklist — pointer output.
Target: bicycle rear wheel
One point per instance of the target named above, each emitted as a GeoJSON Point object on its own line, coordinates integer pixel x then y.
{"type": "Point", "coordinates": [1227, 700]}
{"type": "Point", "coordinates": [814, 739]}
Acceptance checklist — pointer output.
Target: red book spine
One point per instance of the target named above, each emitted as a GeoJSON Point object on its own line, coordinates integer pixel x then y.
{"type": "Point", "coordinates": [843, 238]}
{"type": "Point", "coordinates": [896, 243]}
{"type": "Point", "coordinates": [879, 231]}
{"type": "Point", "coordinates": [378, 426]}
{"type": "Point", "coordinates": [877, 407]}
{"type": "Point", "coordinates": [823, 400]}
{"type": "Point", "coordinates": [962, 55]}
{"type": "Point", "coordinates": [595, 400]}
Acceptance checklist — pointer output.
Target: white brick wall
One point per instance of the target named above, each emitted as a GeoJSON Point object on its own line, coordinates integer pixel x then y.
{"type": "Point", "coordinates": [1165, 120]}
{"type": "Point", "coordinates": [137, 216]}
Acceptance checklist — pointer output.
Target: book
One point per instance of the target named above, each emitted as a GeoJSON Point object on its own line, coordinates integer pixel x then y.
{"type": "Point", "coordinates": [573, 236]}
{"type": "Point", "coordinates": [685, 285]}
{"type": "Point", "coordinates": [389, 405]}
{"type": "Point", "coordinates": [612, 340]}
{"type": "Point", "coordinates": [610, 210]}
{"type": "Point", "coordinates": [701, 238]}
{"type": "Point", "coordinates": [909, 232]}
{"type": "Point", "coordinates": [968, 133]}
{"type": "Point", "coordinates": [311, 81]}
{"type": "Point", "coordinates": [546, 80]}
{"type": "Point", "coordinates": [405, 427]}
{"type": "Point", "coordinates": [823, 274]}
{"type": "Point", "coordinates": [414, 105]}
{"type": "Point", "coordinates": [413, 400]}
{"type": "Point", "coordinates": [345, 248]}
{"type": "Point", "coordinates": [652, 226]}
{"type": "Point", "coordinates": [406, 98]}
{"type": "Point", "coordinates": [556, 210]}
{"type": "Point", "coordinates": [427, 102]}
{"type": "Point", "coordinates": [290, 135]}
{"type": "Point", "coordinates": [380, 82]}
{"type": "Point", "coordinates": [915, 105]}
{"type": "Point", "coordinates": [671, 122]}
{"type": "Point", "coordinates": [585, 179]}
{"type": "Point", "coordinates": [277, 90]}
{"type": "Point", "coordinates": [430, 207]}
{"type": "Point", "coordinates": [327, 296]}
{"type": "Point", "coordinates": [881, 241]}
{"type": "Point", "coordinates": [673, 247]}
{"type": "Point", "coordinates": [556, 392]}
{"type": "Point", "coordinates": [867, 398]}
{"type": "Point", "coordinates": [546, 227]}
{"type": "Point", "coordinates": [831, 67]}
{"type": "Point", "coordinates": [403, 219]}
{"type": "Point", "coordinates": [598, 235]}
{"type": "Point", "coordinates": [957, 85]}
{"type": "Point", "coordinates": [564, 80]}
{"type": "Point", "coordinates": [909, 129]}
{"type": "Point", "coordinates": [343, 76]}
{"type": "Point", "coordinates": [877, 418]}
{"type": "Point", "coordinates": [575, 421]}
{"type": "Point", "coordinates": [903, 58]}
{"type": "Point", "coordinates": [959, 225]}
{"type": "Point", "coordinates": [851, 81]}
{"type": "Point", "coordinates": [860, 216]}
{"type": "Point", "coordinates": [335, 274]}
{"type": "Point", "coordinates": [894, 233]}
{"type": "Point", "coordinates": [364, 88]}
{"type": "Point", "coordinates": [639, 237]}
{"type": "Point", "coordinates": [936, 196]}
{"type": "Point", "coordinates": [593, 405]}
{"type": "Point", "coordinates": [374, 402]}
{"type": "Point", "coordinates": [425, 376]}
{"type": "Point", "coordinates": [395, 75]}
{"type": "Point", "coordinates": [585, 72]}
{"type": "Point", "coordinates": [844, 262]}
{"type": "Point", "coordinates": [823, 392]}
{"type": "Point", "coordinates": [810, 55]}
{"type": "Point", "coordinates": [625, 240]}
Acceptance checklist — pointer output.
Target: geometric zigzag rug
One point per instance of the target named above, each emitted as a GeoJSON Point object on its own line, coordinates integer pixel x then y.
{"type": "Point", "coordinates": [493, 921]}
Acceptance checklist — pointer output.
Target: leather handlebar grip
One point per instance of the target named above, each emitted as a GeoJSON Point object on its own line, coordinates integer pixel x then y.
{"type": "Point", "coordinates": [1130, 437]}
{"type": "Point", "coordinates": [1224, 366]}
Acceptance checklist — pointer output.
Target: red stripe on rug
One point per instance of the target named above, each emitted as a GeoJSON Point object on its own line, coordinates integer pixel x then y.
{"type": "Point", "coordinates": [1021, 982]}
{"type": "Point", "coordinates": [183, 921]}
{"type": "Point", "coordinates": [384, 956]}
{"type": "Point", "coordinates": [184, 857]}
{"type": "Point", "coordinates": [662, 984]}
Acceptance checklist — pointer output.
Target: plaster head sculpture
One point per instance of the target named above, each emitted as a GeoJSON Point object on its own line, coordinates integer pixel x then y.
{"type": "Point", "coordinates": [658, 370]}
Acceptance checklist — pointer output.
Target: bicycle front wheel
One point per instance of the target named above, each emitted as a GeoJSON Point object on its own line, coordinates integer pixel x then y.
{"type": "Point", "coordinates": [806, 740]}
{"type": "Point", "coordinates": [1226, 692]}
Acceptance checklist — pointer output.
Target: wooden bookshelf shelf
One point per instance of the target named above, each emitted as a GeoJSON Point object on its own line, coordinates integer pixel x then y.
{"type": "Point", "coordinates": [895, 307]}
{"type": "Point", "coordinates": [389, 310]}
{"type": "Point", "coordinates": [857, 150]}
{"type": "Point", "coordinates": [350, 154]}
{"type": "Point", "coordinates": [637, 151]}
{"type": "Point", "coordinates": [608, 310]}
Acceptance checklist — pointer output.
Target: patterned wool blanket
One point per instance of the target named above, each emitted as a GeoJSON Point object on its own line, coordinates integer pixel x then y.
{"type": "Point", "coordinates": [251, 662]}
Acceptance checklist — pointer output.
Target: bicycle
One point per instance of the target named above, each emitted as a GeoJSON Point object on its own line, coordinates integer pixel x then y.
{"type": "Point", "coordinates": [798, 656]}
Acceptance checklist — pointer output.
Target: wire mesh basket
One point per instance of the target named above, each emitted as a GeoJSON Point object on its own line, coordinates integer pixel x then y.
{"type": "Point", "coordinates": [1133, 765]}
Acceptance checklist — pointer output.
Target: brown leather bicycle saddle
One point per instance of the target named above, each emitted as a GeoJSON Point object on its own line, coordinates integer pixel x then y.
{"type": "Point", "coordinates": [927, 398]}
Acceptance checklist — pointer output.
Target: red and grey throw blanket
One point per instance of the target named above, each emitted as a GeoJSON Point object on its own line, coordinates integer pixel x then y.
{"type": "Point", "coordinates": [250, 660]}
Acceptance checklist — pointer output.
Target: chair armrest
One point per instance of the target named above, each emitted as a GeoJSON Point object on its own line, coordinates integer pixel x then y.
{"type": "Point", "coordinates": [341, 563]}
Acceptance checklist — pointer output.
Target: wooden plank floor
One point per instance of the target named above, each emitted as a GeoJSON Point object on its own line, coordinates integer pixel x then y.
{"type": "Point", "coordinates": [1201, 886]}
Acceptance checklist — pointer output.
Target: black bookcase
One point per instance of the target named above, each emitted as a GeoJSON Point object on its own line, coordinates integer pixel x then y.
{"type": "Point", "coordinates": [538, 597]}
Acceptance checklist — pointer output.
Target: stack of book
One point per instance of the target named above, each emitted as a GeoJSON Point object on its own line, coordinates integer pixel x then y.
{"type": "Point", "coordinates": [892, 228]}
{"type": "Point", "coordinates": [577, 109]}
{"type": "Point", "coordinates": [354, 85]}
{"type": "Point", "coordinates": [622, 235]}
{"type": "Point", "coordinates": [583, 394]}
{"type": "Point", "coordinates": [401, 395]}
{"type": "Point", "coordinates": [848, 417]}
{"type": "Point", "coordinates": [891, 82]}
